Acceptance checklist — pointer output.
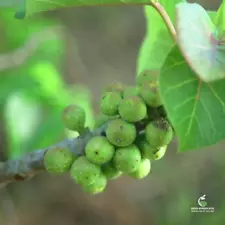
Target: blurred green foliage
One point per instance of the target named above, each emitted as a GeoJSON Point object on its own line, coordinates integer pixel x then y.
{"type": "Point", "coordinates": [32, 91]}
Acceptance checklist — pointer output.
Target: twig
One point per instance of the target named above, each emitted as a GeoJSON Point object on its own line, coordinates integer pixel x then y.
{"type": "Point", "coordinates": [31, 163]}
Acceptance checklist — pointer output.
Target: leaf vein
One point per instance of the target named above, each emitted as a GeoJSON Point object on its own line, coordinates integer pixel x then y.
{"type": "Point", "coordinates": [184, 119]}
{"type": "Point", "coordinates": [199, 128]}
{"type": "Point", "coordinates": [194, 108]}
{"type": "Point", "coordinates": [184, 103]}
{"type": "Point", "coordinates": [174, 65]}
{"type": "Point", "coordinates": [209, 115]}
{"type": "Point", "coordinates": [179, 85]}
{"type": "Point", "coordinates": [217, 96]}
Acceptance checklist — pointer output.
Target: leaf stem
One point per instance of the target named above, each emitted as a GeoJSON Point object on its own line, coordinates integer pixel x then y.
{"type": "Point", "coordinates": [160, 9]}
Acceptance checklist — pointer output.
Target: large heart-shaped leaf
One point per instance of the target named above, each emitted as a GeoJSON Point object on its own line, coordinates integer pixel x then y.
{"type": "Point", "coordinates": [195, 108]}
{"type": "Point", "coordinates": [198, 41]}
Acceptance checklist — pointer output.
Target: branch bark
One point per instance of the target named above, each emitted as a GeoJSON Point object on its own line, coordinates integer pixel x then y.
{"type": "Point", "coordinates": [31, 163]}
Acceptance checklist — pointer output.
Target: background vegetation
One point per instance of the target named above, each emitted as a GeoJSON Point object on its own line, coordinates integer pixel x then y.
{"type": "Point", "coordinates": [67, 56]}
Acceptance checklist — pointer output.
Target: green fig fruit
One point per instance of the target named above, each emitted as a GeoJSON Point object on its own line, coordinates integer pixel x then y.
{"type": "Point", "coordinates": [150, 94]}
{"type": "Point", "coordinates": [151, 76]}
{"type": "Point", "coordinates": [132, 109]}
{"type": "Point", "coordinates": [97, 186]}
{"type": "Point", "coordinates": [142, 171]}
{"type": "Point", "coordinates": [130, 91]}
{"type": "Point", "coordinates": [120, 133]}
{"type": "Point", "coordinates": [102, 119]}
{"type": "Point", "coordinates": [110, 171]}
{"type": "Point", "coordinates": [58, 160]}
{"type": "Point", "coordinates": [115, 87]}
{"type": "Point", "coordinates": [110, 103]}
{"type": "Point", "coordinates": [98, 150]}
{"type": "Point", "coordinates": [127, 159]}
{"type": "Point", "coordinates": [151, 153]}
{"type": "Point", "coordinates": [159, 133]}
{"type": "Point", "coordinates": [84, 172]}
{"type": "Point", "coordinates": [73, 118]}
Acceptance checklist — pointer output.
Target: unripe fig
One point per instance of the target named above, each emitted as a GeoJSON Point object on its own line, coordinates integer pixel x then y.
{"type": "Point", "coordinates": [120, 133]}
{"type": "Point", "coordinates": [97, 186]}
{"type": "Point", "coordinates": [147, 76]}
{"type": "Point", "coordinates": [159, 133]}
{"type": "Point", "coordinates": [98, 150]}
{"type": "Point", "coordinates": [142, 171]}
{"type": "Point", "coordinates": [109, 103]}
{"type": "Point", "coordinates": [130, 91]}
{"type": "Point", "coordinates": [160, 152]}
{"type": "Point", "coordinates": [110, 171]}
{"type": "Point", "coordinates": [132, 109]}
{"type": "Point", "coordinates": [58, 160]}
{"type": "Point", "coordinates": [150, 94]}
{"type": "Point", "coordinates": [84, 172]}
{"type": "Point", "coordinates": [151, 153]}
{"type": "Point", "coordinates": [73, 118]}
{"type": "Point", "coordinates": [127, 159]}
{"type": "Point", "coordinates": [115, 87]}
{"type": "Point", "coordinates": [101, 119]}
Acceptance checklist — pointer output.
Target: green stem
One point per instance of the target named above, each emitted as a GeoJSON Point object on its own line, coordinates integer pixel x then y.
{"type": "Point", "coordinates": [159, 8]}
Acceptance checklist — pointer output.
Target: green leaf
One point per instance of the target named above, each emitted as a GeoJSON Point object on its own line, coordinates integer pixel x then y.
{"type": "Point", "coordinates": [198, 41]}
{"type": "Point", "coordinates": [11, 83]}
{"type": "Point", "coordinates": [157, 42]}
{"type": "Point", "coordinates": [220, 18]}
{"type": "Point", "coordinates": [40, 83]}
{"type": "Point", "coordinates": [33, 6]}
{"type": "Point", "coordinates": [212, 15]}
{"type": "Point", "coordinates": [20, 126]}
{"type": "Point", "coordinates": [196, 109]}
{"type": "Point", "coordinates": [15, 33]}
{"type": "Point", "coordinates": [49, 131]}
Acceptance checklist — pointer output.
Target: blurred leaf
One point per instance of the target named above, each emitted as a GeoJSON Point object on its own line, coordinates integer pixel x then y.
{"type": "Point", "coordinates": [157, 42]}
{"type": "Point", "coordinates": [220, 18]}
{"type": "Point", "coordinates": [58, 94]}
{"type": "Point", "coordinates": [37, 48]}
{"type": "Point", "coordinates": [203, 51]}
{"type": "Point", "coordinates": [212, 15]}
{"type": "Point", "coordinates": [15, 33]}
{"type": "Point", "coordinates": [22, 116]}
{"type": "Point", "coordinates": [51, 84]}
{"type": "Point", "coordinates": [49, 131]}
{"type": "Point", "coordinates": [190, 102]}
{"type": "Point", "coordinates": [14, 83]}
{"type": "Point", "coordinates": [45, 5]}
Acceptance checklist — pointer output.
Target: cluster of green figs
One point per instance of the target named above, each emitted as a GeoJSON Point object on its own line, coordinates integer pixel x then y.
{"type": "Point", "coordinates": [137, 132]}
